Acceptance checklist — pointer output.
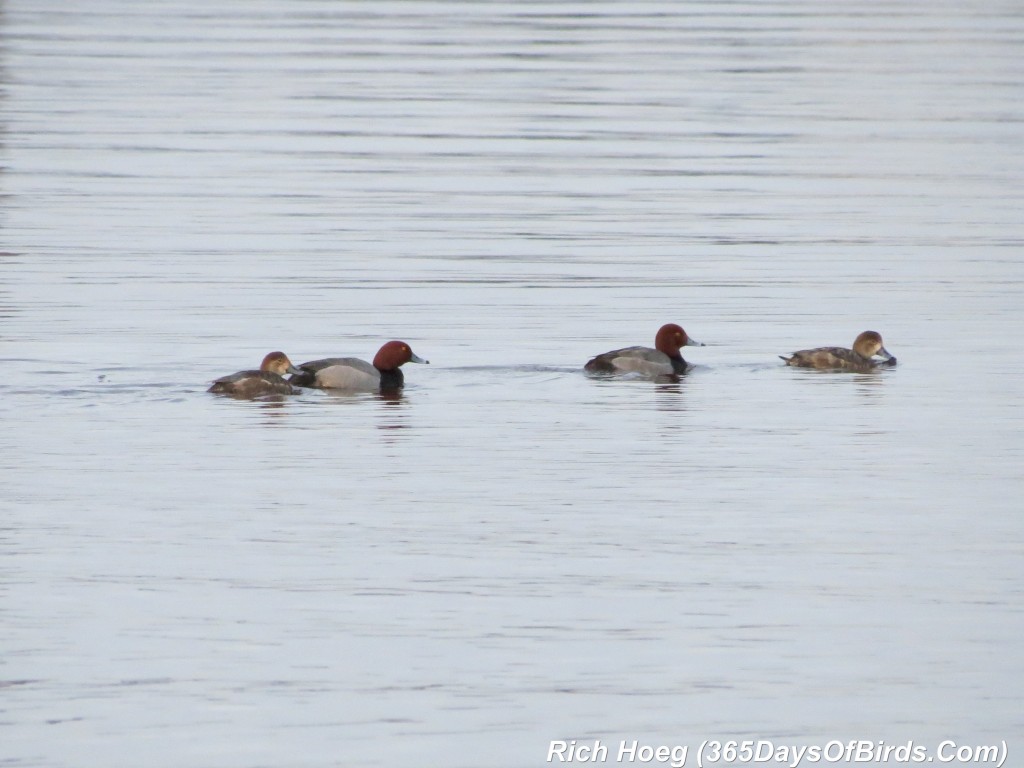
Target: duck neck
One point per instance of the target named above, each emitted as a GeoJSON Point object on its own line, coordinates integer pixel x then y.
{"type": "Point", "coordinates": [392, 379]}
{"type": "Point", "coordinates": [678, 364]}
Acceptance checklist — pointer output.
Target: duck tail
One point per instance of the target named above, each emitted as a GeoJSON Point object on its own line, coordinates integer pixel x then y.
{"type": "Point", "coordinates": [599, 364]}
{"type": "Point", "coordinates": [786, 360]}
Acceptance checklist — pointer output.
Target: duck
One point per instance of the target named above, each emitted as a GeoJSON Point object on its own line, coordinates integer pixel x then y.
{"type": "Point", "coordinates": [663, 360]}
{"type": "Point", "coordinates": [866, 347]}
{"type": "Point", "coordinates": [268, 380]}
{"type": "Point", "coordinates": [355, 375]}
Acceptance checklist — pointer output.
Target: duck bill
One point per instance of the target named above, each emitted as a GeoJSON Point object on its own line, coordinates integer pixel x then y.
{"type": "Point", "coordinates": [414, 358]}
{"type": "Point", "coordinates": [693, 343]}
{"type": "Point", "coordinates": [294, 371]}
{"type": "Point", "coordinates": [884, 354]}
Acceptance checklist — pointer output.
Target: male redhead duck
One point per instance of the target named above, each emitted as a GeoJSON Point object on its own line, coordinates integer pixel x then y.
{"type": "Point", "coordinates": [865, 347]}
{"type": "Point", "coordinates": [663, 360]}
{"type": "Point", "coordinates": [356, 375]}
{"type": "Point", "coordinates": [268, 380]}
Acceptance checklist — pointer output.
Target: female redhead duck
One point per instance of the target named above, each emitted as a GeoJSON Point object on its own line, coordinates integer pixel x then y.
{"type": "Point", "coordinates": [663, 360]}
{"type": "Point", "coordinates": [357, 375]}
{"type": "Point", "coordinates": [865, 347]}
{"type": "Point", "coordinates": [266, 381]}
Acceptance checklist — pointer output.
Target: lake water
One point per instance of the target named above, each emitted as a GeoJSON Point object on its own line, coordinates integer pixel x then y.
{"type": "Point", "coordinates": [510, 553]}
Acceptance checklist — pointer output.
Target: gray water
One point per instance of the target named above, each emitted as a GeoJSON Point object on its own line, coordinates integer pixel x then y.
{"type": "Point", "coordinates": [510, 553]}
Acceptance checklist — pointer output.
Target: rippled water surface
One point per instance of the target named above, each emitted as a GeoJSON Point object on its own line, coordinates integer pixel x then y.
{"type": "Point", "coordinates": [508, 553]}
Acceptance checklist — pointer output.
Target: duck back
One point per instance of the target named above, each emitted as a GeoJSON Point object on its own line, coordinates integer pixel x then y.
{"type": "Point", "coordinates": [650, 362]}
{"type": "Point", "coordinates": [838, 358]}
{"type": "Point", "coordinates": [349, 373]}
{"type": "Point", "coordinates": [250, 384]}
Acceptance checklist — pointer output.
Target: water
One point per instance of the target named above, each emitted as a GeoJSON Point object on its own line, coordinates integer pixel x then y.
{"type": "Point", "coordinates": [510, 553]}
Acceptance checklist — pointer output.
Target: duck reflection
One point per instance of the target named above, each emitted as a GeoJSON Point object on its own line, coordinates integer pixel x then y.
{"type": "Point", "coordinates": [273, 410]}
{"type": "Point", "coordinates": [669, 394]}
{"type": "Point", "coordinates": [871, 385]}
{"type": "Point", "coordinates": [393, 414]}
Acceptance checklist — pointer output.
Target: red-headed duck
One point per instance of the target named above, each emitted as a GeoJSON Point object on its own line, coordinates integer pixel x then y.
{"type": "Point", "coordinates": [866, 346]}
{"type": "Point", "coordinates": [268, 380]}
{"type": "Point", "coordinates": [353, 374]}
{"type": "Point", "coordinates": [663, 360]}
